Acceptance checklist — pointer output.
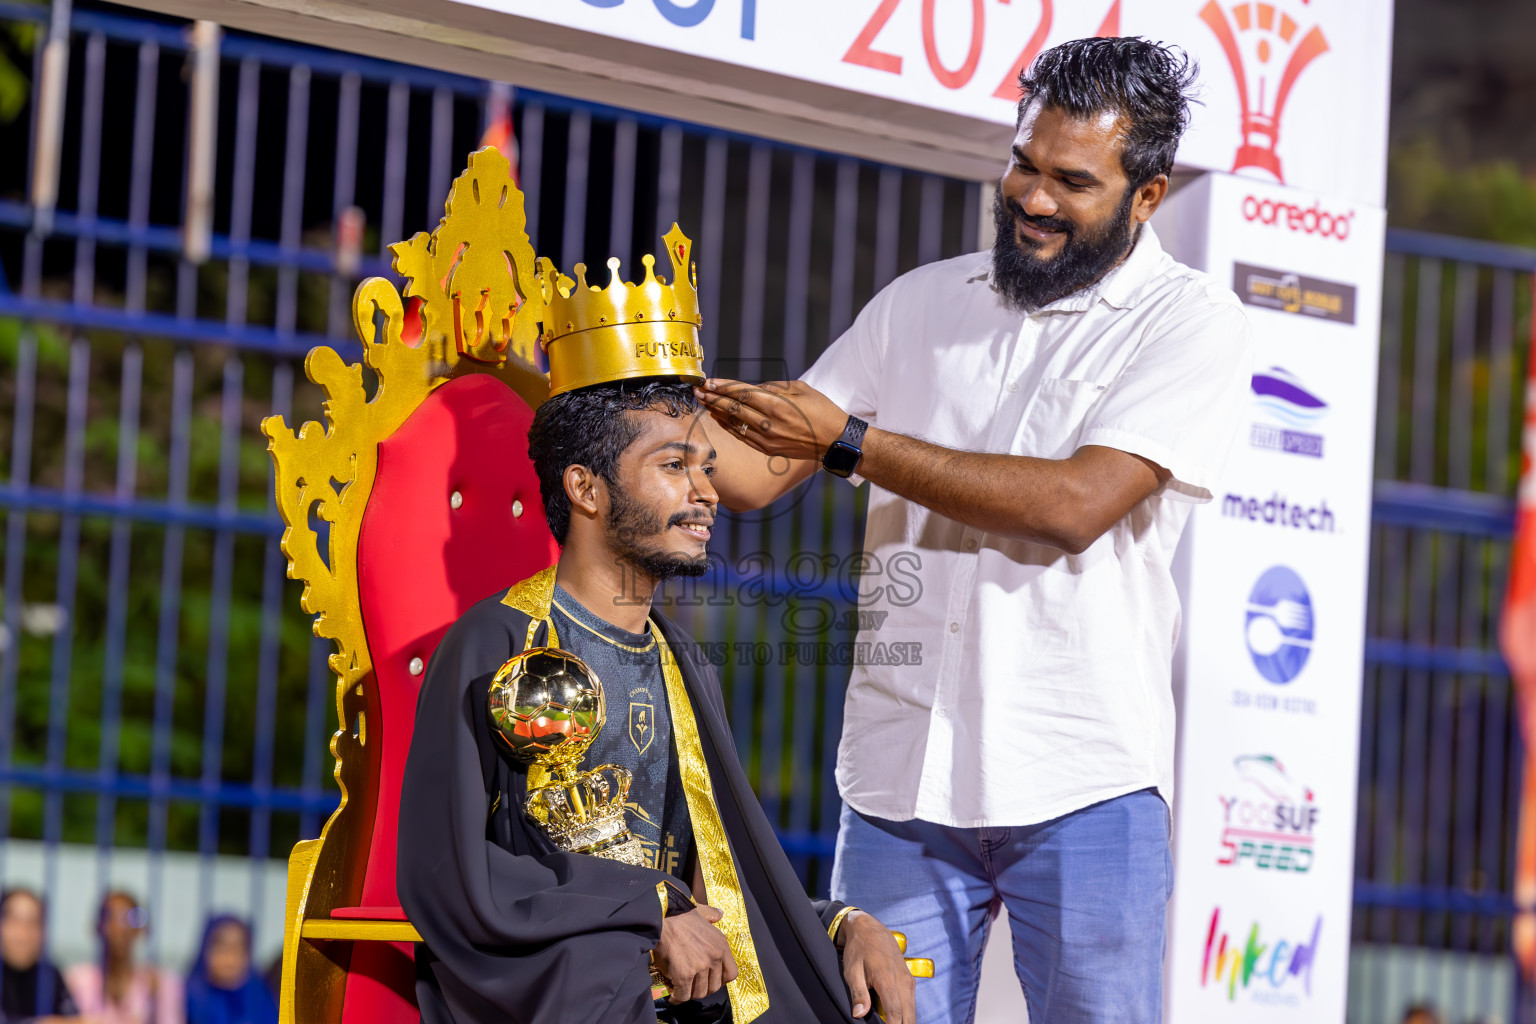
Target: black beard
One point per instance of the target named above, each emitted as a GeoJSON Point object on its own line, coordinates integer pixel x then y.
{"type": "Point", "coordinates": [1028, 282]}
{"type": "Point", "coordinates": [630, 522]}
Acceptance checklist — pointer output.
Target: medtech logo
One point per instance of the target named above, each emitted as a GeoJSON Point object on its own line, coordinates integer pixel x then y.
{"type": "Point", "coordinates": [1277, 510]}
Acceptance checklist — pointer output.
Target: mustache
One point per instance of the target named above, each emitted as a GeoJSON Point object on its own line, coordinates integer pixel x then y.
{"type": "Point", "coordinates": [1040, 223]}
{"type": "Point", "coordinates": [689, 519]}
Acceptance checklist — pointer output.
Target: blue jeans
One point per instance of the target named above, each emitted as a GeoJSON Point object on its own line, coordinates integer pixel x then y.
{"type": "Point", "coordinates": [1086, 896]}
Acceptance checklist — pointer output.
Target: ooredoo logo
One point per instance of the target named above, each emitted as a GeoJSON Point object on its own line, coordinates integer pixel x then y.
{"type": "Point", "coordinates": [1311, 220]}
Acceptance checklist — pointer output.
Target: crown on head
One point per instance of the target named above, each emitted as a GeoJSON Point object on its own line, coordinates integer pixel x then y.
{"type": "Point", "coordinates": [594, 335]}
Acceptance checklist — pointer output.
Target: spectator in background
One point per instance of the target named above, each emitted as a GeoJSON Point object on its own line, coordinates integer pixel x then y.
{"type": "Point", "coordinates": [115, 990]}
{"type": "Point", "coordinates": [1422, 1013]}
{"type": "Point", "coordinates": [31, 988]}
{"type": "Point", "coordinates": [223, 988]}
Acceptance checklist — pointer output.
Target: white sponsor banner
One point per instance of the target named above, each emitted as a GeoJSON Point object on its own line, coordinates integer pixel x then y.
{"type": "Point", "coordinates": [1273, 579]}
{"type": "Point", "coordinates": [1292, 90]}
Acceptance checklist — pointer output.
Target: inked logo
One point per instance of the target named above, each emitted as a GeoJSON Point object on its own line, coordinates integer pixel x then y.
{"type": "Point", "coordinates": [1268, 823]}
{"type": "Point", "coordinates": [1291, 411]}
{"type": "Point", "coordinates": [1311, 220]}
{"type": "Point", "coordinates": [1263, 969]}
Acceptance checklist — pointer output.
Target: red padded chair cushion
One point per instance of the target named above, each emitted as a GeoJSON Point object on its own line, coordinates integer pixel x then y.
{"type": "Point", "coordinates": [420, 564]}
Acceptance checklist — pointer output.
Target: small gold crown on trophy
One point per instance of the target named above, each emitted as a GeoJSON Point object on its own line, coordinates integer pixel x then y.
{"type": "Point", "coordinates": [594, 335]}
{"type": "Point", "coordinates": [548, 707]}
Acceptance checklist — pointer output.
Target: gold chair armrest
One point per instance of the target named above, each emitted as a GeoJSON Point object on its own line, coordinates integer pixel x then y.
{"type": "Point", "coordinates": [919, 967]}
{"type": "Point", "coordinates": [323, 928]}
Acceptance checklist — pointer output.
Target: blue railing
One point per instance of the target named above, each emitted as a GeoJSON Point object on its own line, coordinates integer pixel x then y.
{"type": "Point", "coordinates": [1492, 255]}
{"type": "Point", "coordinates": [1440, 744]}
{"type": "Point", "coordinates": [1439, 508]}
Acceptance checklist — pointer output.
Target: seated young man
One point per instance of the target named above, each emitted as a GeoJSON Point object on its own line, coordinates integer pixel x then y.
{"type": "Point", "coordinates": [515, 930]}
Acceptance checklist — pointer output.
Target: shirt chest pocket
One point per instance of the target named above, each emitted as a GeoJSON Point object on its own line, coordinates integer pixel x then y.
{"type": "Point", "coordinates": [1054, 421]}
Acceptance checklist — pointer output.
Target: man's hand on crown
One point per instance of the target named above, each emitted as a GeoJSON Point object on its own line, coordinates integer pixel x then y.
{"type": "Point", "coordinates": [778, 417]}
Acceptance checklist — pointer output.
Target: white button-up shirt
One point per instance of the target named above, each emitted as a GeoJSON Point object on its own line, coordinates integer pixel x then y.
{"type": "Point", "coordinates": [1045, 681]}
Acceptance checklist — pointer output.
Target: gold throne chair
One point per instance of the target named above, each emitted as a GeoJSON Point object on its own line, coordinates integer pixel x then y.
{"type": "Point", "coordinates": [403, 508]}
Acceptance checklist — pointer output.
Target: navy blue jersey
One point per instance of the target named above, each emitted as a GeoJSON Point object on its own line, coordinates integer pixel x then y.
{"type": "Point", "coordinates": [638, 733]}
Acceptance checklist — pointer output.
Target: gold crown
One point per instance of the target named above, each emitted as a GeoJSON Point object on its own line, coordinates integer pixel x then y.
{"type": "Point", "coordinates": [594, 335]}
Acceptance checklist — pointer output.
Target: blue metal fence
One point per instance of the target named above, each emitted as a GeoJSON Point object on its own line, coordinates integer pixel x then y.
{"type": "Point", "coordinates": [158, 684]}
{"type": "Point", "coordinates": [1440, 745]}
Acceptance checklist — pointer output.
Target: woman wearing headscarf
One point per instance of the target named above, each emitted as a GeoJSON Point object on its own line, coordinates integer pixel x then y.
{"type": "Point", "coordinates": [115, 990]}
{"type": "Point", "coordinates": [31, 988]}
{"type": "Point", "coordinates": [222, 988]}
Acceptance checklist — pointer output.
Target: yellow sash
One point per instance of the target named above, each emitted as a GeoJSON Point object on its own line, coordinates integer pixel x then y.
{"type": "Point", "coordinates": [749, 993]}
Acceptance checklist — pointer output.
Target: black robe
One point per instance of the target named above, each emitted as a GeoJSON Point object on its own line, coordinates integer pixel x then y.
{"type": "Point", "coordinates": [514, 929]}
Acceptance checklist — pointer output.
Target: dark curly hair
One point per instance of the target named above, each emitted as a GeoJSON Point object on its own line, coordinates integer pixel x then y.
{"type": "Point", "coordinates": [1148, 84]}
{"type": "Point", "coordinates": [587, 427]}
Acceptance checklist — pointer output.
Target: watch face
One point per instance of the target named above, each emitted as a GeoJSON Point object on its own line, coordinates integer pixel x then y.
{"type": "Point", "coordinates": [841, 458]}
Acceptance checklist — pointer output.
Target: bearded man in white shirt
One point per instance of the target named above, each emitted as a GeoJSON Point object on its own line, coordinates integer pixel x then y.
{"type": "Point", "coordinates": [1036, 423]}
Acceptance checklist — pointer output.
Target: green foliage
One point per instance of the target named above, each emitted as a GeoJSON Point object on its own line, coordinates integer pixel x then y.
{"type": "Point", "coordinates": [1492, 201]}
{"type": "Point", "coordinates": [17, 40]}
{"type": "Point", "coordinates": [52, 350]}
{"type": "Point", "coordinates": [182, 670]}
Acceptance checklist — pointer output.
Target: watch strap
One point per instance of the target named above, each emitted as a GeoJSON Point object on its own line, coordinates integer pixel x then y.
{"type": "Point", "coordinates": [674, 898]}
{"type": "Point", "coordinates": [843, 456]}
{"type": "Point", "coordinates": [853, 432]}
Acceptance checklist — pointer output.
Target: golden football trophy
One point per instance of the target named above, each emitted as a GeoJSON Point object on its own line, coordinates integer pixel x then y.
{"type": "Point", "coordinates": [548, 708]}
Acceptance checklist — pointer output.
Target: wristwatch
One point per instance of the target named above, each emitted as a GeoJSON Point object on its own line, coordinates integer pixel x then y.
{"type": "Point", "coordinates": [674, 898]}
{"type": "Point", "coordinates": [844, 455]}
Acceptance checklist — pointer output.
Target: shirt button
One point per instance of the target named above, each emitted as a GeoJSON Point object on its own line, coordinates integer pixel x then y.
{"type": "Point", "coordinates": [970, 544]}
{"type": "Point", "coordinates": [942, 712]}
{"type": "Point", "coordinates": [1013, 388]}
{"type": "Point", "coordinates": [954, 627]}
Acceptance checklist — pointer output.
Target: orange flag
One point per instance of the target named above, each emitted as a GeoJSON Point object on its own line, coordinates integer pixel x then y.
{"type": "Point", "coordinates": [1517, 635]}
{"type": "Point", "coordinates": [498, 128]}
